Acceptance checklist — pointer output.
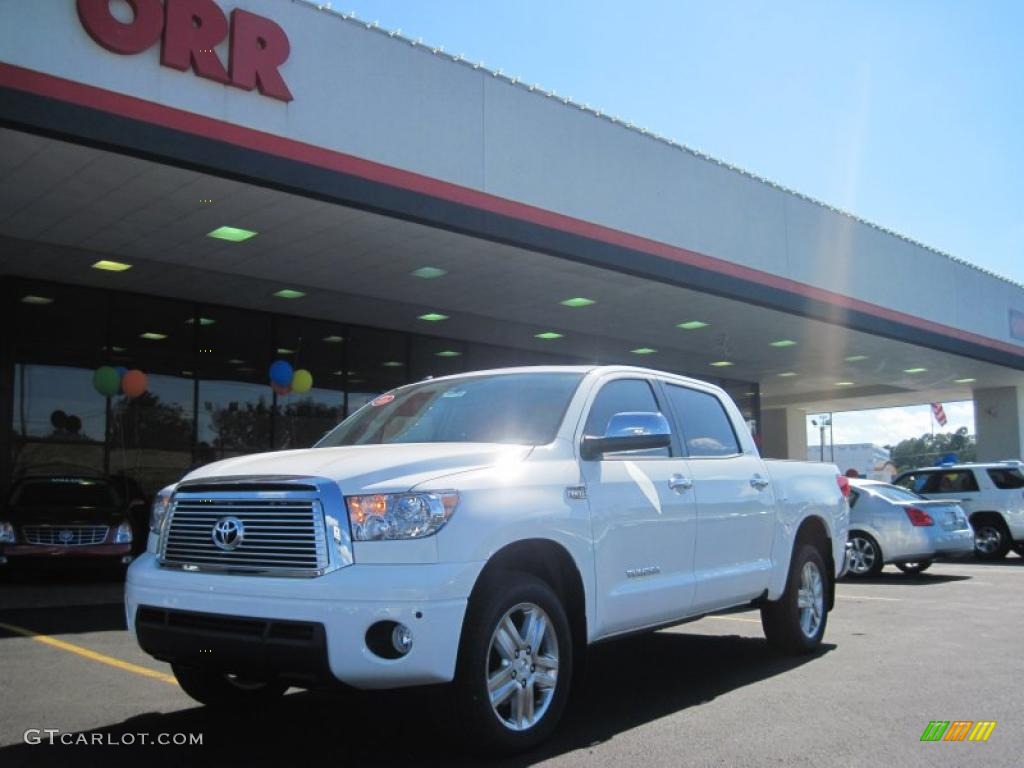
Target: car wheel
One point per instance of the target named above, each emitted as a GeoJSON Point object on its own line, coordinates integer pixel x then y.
{"type": "Point", "coordinates": [1019, 549]}
{"type": "Point", "coordinates": [912, 569]}
{"type": "Point", "coordinates": [795, 623]}
{"type": "Point", "coordinates": [219, 689]}
{"type": "Point", "coordinates": [515, 663]}
{"type": "Point", "coordinates": [990, 540]}
{"type": "Point", "coordinates": [865, 555]}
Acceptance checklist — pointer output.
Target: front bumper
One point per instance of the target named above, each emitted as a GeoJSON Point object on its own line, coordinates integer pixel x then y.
{"type": "Point", "coordinates": [50, 554]}
{"type": "Point", "coordinates": [430, 599]}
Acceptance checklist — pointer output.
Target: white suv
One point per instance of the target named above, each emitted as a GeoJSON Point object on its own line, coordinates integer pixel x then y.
{"type": "Point", "coordinates": [992, 494]}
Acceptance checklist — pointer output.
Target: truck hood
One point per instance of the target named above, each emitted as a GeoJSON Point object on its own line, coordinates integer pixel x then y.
{"type": "Point", "coordinates": [369, 468]}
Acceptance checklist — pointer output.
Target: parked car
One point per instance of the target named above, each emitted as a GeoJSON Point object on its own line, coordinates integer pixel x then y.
{"type": "Point", "coordinates": [67, 519]}
{"type": "Point", "coordinates": [483, 529]}
{"type": "Point", "coordinates": [992, 494]}
{"type": "Point", "coordinates": [894, 525]}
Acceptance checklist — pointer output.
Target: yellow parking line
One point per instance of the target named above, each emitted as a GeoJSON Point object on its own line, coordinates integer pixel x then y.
{"type": "Point", "coordinates": [102, 658]}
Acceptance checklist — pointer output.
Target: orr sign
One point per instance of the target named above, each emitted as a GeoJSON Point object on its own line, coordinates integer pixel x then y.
{"type": "Point", "coordinates": [189, 32]}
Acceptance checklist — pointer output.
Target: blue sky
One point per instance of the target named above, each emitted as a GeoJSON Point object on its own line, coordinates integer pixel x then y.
{"type": "Point", "coordinates": [907, 114]}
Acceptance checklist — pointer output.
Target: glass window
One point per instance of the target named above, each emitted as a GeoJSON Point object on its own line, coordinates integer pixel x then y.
{"type": "Point", "coordinates": [703, 421]}
{"type": "Point", "coordinates": [377, 362]}
{"type": "Point", "coordinates": [63, 492]}
{"type": "Point", "coordinates": [895, 493]}
{"type": "Point", "coordinates": [523, 408]}
{"type": "Point", "coordinates": [953, 481]}
{"type": "Point", "coordinates": [318, 347]}
{"type": "Point", "coordinates": [234, 419]}
{"type": "Point", "coordinates": [1007, 479]}
{"type": "Point", "coordinates": [436, 357]}
{"type": "Point", "coordinates": [622, 396]}
{"type": "Point", "coordinates": [854, 497]}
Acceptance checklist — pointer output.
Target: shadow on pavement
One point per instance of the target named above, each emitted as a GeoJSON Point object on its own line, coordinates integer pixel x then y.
{"type": "Point", "coordinates": [897, 578]}
{"type": "Point", "coordinates": [64, 620]}
{"type": "Point", "coordinates": [628, 683]}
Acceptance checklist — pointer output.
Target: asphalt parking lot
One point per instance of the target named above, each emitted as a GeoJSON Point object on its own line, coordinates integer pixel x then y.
{"type": "Point", "coordinates": [899, 653]}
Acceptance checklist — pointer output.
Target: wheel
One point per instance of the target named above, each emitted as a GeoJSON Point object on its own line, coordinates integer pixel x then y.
{"type": "Point", "coordinates": [912, 569]}
{"type": "Point", "coordinates": [795, 623]}
{"type": "Point", "coordinates": [866, 555]}
{"type": "Point", "coordinates": [991, 541]}
{"type": "Point", "coordinates": [515, 663]}
{"type": "Point", "coordinates": [219, 689]}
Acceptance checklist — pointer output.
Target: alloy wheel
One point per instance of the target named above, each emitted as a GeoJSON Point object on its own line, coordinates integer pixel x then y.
{"type": "Point", "coordinates": [811, 599]}
{"type": "Point", "coordinates": [522, 666]}
{"type": "Point", "coordinates": [862, 556]}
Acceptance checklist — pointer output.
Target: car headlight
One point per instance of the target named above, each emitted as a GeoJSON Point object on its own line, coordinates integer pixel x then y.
{"type": "Point", "coordinates": [6, 532]}
{"type": "Point", "coordinates": [161, 506]}
{"type": "Point", "coordinates": [123, 534]}
{"type": "Point", "coordinates": [399, 515]}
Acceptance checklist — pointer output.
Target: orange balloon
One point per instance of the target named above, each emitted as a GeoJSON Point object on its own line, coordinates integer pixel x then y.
{"type": "Point", "coordinates": [134, 383]}
{"type": "Point", "coordinates": [281, 391]}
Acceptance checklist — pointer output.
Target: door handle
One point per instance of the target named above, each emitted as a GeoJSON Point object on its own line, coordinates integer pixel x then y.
{"type": "Point", "coordinates": [758, 482]}
{"type": "Point", "coordinates": [680, 483]}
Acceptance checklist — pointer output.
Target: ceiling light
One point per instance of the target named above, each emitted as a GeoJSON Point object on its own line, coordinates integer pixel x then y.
{"type": "Point", "coordinates": [433, 317]}
{"type": "Point", "coordinates": [692, 325]}
{"type": "Point", "coordinates": [333, 339]}
{"type": "Point", "coordinates": [356, 381]}
{"type": "Point", "coordinates": [856, 358]}
{"type": "Point", "coordinates": [186, 373]}
{"type": "Point", "coordinates": [236, 361]}
{"type": "Point", "coordinates": [232, 234]}
{"type": "Point", "coordinates": [392, 364]}
{"type": "Point", "coordinates": [448, 353]}
{"type": "Point", "coordinates": [963, 381]}
{"type": "Point", "coordinates": [285, 351]}
{"type": "Point", "coordinates": [788, 374]}
{"type": "Point", "coordinates": [337, 373]}
{"type": "Point", "coordinates": [721, 364]}
{"type": "Point", "coordinates": [289, 293]}
{"type": "Point", "coordinates": [547, 335]}
{"type": "Point", "coordinates": [844, 383]}
{"type": "Point", "coordinates": [111, 266]}
{"type": "Point", "coordinates": [39, 300]}
{"type": "Point", "coordinates": [153, 336]}
{"type": "Point", "coordinates": [915, 370]}
{"type": "Point", "coordinates": [579, 301]}
{"type": "Point", "coordinates": [643, 351]}
{"type": "Point", "coordinates": [428, 273]}
{"type": "Point", "coordinates": [204, 321]}
{"type": "Point", "coordinates": [782, 343]}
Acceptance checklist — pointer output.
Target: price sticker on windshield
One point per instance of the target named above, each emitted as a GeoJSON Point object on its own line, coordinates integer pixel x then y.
{"type": "Point", "coordinates": [382, 400]}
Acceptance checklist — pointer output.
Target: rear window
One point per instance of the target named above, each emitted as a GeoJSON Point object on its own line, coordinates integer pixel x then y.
{"type": "Point", "coordinates": [706, 428]}
{"type": "Point", "coordinates": [64, 492]}
{"type": "Point", "coordinates": [892, 493]}
{"type": "Point", "coordinates": [1007, 479]}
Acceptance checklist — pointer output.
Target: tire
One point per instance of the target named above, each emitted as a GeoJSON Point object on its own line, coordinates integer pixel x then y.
{"type": "Point", "coordinates": [795, 623]}
{"type": "Point", "coordinates": [991, 539]}
{"type": "Point", "coordinates": [1019, 549]}
{"type": "Point", "coordinates": [912, 569]}
{"type": "Point", "coordinates": [493, 655]}
{"type": "Point", "coordinates": [865, 557]}
{"type": "Point", "coordinates": [218, 689]}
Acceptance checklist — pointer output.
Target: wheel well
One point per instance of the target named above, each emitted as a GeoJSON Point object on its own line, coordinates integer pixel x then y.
{"type": "Point", "coordinates": [813, 531]}
{"type": "Point", "coordinates": [988, 517]}
{"type": "Point", "coordinates": [552, 563]}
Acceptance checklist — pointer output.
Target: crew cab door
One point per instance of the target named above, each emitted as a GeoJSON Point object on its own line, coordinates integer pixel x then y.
{"type": "Point", "coordinates": [735, 503]}
{"type": "Point", "coordinates": [643, 516]}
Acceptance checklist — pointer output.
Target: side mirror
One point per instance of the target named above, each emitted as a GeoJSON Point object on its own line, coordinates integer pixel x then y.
{"type": "Point", "coordinates": [629, 432]}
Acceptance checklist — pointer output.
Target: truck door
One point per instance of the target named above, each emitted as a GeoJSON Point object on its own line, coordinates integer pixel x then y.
{"type": "Point", "coordinates": [643, 516]}
{"type": "Point", "coordinates": [735, 504]}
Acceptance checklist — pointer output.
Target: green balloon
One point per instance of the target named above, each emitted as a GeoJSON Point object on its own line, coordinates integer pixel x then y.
{"type": "Point", "coordinates": [106, 381]}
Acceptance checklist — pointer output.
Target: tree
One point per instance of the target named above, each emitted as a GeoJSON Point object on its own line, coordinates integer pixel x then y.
{"type": "Point", "coordinates": [929, 449]}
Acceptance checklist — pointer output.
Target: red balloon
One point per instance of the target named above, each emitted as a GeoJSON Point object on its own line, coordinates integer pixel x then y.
{"type": "Point", "coordinates": [134, 383]}
{"type": "Point", "coordinates": [281, 390]}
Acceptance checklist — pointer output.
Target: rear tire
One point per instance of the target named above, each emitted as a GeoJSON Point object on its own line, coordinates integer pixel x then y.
{"type": "Point", "coordinates": [865, 557]}
{"type": "Point", "coordinates": [912, 569]}
{"type": "Point", "coordinates": [795, 623]}
{"type": "Point", "coordinates": [1019, 549]}
{"type": "Point", "coordinates": [991, 539]}
{"type": "Point", "coordinates": [218, 689]}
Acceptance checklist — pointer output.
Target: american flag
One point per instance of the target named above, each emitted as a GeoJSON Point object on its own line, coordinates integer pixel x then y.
{"type": "Point", "coordinates": [939, 413]}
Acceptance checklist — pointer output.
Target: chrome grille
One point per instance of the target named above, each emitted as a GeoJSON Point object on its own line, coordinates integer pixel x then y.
{"type": "Point", "coordinates": [282, 532]}
{"type": "Point", "coordinates": [65, 535]}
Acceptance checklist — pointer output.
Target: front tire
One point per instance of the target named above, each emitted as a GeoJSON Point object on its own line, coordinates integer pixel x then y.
{"type": "Point", "coordinates": [222, 690]}
{"type": "Point", "coordinates": [515, 663]}
{"type": "Point", "coordinates": [865, 556]}
{"type": "Point", "coordinates": [912, 569]}
{"type": "Point", "coordinates": [795, 623]}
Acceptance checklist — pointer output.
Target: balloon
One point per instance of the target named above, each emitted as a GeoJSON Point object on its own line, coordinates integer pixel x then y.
{"type": "Point", "coordinates": [302, 381]}
{"type": "Point", "coordinates": [281, 373]}
{"type": "Point", "coordinates": [278, 389]}
{"type": "Point", "coordinates": [59, 420]}
{"type": "Point", "coordinates": [121, 370]}
{"type": "Point", "coordinates": [106, 381]}
{"type": "Point", "coordinates": [134, 383]}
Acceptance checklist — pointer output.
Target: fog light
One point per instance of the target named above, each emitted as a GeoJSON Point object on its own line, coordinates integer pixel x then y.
{"type": "Point", "coordinates": [3, 560]}
{"type": "Point", "coordinates": [401, 639]}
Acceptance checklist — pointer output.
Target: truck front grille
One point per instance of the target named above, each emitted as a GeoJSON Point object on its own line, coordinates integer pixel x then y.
{"type": "Point", "coordinates": [65, 535]}
{"type": "Point", "coordinates": [272, 533]}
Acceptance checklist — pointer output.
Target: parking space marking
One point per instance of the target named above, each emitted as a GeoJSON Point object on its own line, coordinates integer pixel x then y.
{"type": "Point", "coordinates": [102, 658]}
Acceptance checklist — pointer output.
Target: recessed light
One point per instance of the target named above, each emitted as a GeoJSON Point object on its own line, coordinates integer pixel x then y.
{"type": "Point", "coordinates": [787, 374]}
{"type": "Point", "coordinates": [856, 358]}
{"type": "Point", "coordinates": [915, 370]}
{"type": "Point", "coordinates": [692, 325]}
{"type": "Point", "coordinates": [643, 351]}
{"type": "Point", "coordinates": [113, 349]}
{"type": "Point", "coordinates": [186, 373]}
{"type": "Point", "coordinates": [579, 301]}
{"type": "Point", "coordinates": [721, 364]}
{"type": "Point", "coordinates": [782, 343]}
{"type": "Point", "coordinates": [236, 361]}
{"type": "Point", "coordinates": [356, 381]}
{"type": "Point", "coordinates": [111, 266]}
{"type": "Point", "coordinates": [844, 383]}
{"type": "Point", "coordinates": [392, 364]}
{"type": "Point", "coordinates": [153, 336]}
{"type": "Point", "coordinates": [963, 381]}
{"type": "Point", "coordinates": [337, 373]}
{"type": "Point", "coordinates": [333, 339]}
{"type": "Point", "coordinates": [289, 293]}
{"type": "Point", "coordinates": [38, 300]}
{"type": "Point", "coordinates": [285, 351]}
{"type": "Point", "coordinates": [547, 335]}
{"type": "Point", "coordinates": [447, 353]}
{"type": "Point", "coordinates": [428, 273]}
{"type": "Point", "coordinates": [203, 321]}
{"type": "Point", "coordinates": [232, 234]}
{"type": "Point", "coordinates": [433, 317]}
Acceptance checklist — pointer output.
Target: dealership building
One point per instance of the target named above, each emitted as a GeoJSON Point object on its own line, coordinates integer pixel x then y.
{"type": "Point", "coordinates": [197, 189]}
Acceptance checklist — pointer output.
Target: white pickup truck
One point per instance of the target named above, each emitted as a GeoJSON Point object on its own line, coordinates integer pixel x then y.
{"type": "Point", "coordinates": [483, 529]}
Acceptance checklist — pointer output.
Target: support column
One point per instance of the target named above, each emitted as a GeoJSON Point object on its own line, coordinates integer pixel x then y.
{"type": "Point", "coordinates": [999, 423]}
{"type": "Point", "coordinates": [784, 433]}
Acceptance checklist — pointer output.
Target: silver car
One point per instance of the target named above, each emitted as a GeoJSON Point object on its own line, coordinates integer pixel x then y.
{"type": "Point", "coordinates": [889, 524]}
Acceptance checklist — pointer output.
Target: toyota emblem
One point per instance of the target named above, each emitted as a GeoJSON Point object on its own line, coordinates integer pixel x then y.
{"type": "Point", "coordinates": [228, 533]}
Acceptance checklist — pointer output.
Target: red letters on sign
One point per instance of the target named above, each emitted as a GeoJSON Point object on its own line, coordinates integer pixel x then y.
{"type": "Point", "coordinates": [191, 31]}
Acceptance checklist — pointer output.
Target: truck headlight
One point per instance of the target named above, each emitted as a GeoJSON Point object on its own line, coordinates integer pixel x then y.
{"type": "Point", "coordinates": [161, 506]}
{"type": "Point", "coordinates": [123, 534]}
{"type": "Point", "coordinates": [6, 532]}
{"type": "Point", "coordinates": [399, 515]}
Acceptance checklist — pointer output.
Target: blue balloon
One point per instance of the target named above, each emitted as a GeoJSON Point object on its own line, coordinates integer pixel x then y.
{"type": "Point", "coordinates": [121, 370]}
{"type": "Point", "coordinates": [281, 373]}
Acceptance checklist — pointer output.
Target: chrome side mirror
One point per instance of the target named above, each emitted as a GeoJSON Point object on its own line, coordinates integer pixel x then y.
{"type": "Point", "coordinates": [629, 431]}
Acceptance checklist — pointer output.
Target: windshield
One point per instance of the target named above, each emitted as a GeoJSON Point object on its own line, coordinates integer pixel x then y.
{"type": "Point", "coordinates": [522, 408]}
{"type": "Point", "coordinates": [894, 493]}
{"type": "Point", "coordinates": [64, 492]}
